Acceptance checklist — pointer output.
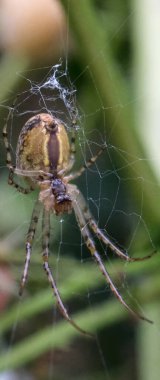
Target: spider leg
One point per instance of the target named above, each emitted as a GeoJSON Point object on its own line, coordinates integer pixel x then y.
{"type": "Point", "coordinates": [72, 150]}
{"type": "Point", "coordinates": [9, 162]}
{"type": "Point", "coordinates": [45, 246]}
{"type": "Point", "coordinates": [103, 237]}
{"type": "Point", "coordinates": [29, 241]}
{"type": "Point", "coordinates": [90, 162]}
{"type": "Point", "coordinates": [91, 246]}
{"type": "Point", "coordinates": [6, 142]}
{"type": "Point", "coordinates": [72, 143]}
{"type": "Point", "coordinates": [33, 173]}
{"type": "Point", "coordinates": [19, 188]}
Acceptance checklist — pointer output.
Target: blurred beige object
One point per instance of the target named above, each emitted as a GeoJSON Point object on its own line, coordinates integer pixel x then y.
{"type": "Point", "coordinates": [33, 28]}
{"type": "Point", "coordinates": [147, 65]}
{"type": "Point", "coordinates": [8, 287]}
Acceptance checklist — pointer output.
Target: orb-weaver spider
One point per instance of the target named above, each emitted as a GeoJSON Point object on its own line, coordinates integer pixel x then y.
{"type": "Point", "coordinates": [44, 156]}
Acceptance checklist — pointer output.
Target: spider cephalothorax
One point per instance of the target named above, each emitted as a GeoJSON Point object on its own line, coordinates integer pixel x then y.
{"type": "Point", "coordinates": [44, 157]}
{"type": "Point", "coordinates": [54, 195]}
{"type": "Point", "coordinates": [63, 202]}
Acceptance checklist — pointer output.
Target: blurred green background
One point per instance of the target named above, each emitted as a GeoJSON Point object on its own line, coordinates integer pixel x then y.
{"type": "Point", "coordinates": [109, 49]}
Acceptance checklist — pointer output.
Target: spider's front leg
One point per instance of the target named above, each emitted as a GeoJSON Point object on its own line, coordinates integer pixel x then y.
{"type": "Point", "coordinates": [45, 254]}
{"type": "Point", "coordinates": [29, 242]}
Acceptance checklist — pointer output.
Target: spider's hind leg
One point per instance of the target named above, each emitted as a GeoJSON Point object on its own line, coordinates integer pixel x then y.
{"type": "Point", "coordinates": [45, 254]}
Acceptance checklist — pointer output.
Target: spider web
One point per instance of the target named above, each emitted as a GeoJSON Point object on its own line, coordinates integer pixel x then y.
{"type": "Point", "coordinates": [106, 189]}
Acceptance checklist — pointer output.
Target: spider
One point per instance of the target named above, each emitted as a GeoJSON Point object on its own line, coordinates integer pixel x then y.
{"type": "Point", "coordinates": [44, 157]}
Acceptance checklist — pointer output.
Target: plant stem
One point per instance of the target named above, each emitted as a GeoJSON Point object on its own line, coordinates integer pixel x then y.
{"type": "Point", "coordinates": [9, 68]}
{"type": "Point", "coordinates": [95, 52]}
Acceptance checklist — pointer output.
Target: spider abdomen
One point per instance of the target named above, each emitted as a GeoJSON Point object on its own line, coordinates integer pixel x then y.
{"type": "Point", "coordinates": [43, 145]}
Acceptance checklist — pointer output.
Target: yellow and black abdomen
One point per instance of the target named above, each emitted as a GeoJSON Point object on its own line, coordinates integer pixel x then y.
{"type": "Point", "coordinates": [43, 145]}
